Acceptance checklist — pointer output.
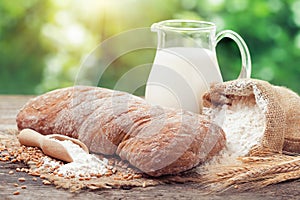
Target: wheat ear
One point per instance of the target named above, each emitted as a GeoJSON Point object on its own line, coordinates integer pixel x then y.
{"type": "Point", "coordinates": [281, 178]}
{"type": "Point", "coordinates": [258, 174]}
{"type": "Point", "coordinates": [283, 167]}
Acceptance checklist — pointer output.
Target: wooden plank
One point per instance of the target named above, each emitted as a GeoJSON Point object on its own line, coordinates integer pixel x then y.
{"type": "Point", "coordinates": [9, 106]}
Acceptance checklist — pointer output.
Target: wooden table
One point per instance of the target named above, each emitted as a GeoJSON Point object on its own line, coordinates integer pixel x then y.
{"type": "Point", "coordinates": [9, 106]}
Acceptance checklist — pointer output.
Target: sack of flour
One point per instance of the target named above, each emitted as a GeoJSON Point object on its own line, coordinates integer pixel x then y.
{"type": "Point", "coordinates": [256, 116]}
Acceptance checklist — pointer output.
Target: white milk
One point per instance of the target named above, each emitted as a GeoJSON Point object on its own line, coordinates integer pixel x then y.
{"type": "Point", "coordinates": [180, 76]}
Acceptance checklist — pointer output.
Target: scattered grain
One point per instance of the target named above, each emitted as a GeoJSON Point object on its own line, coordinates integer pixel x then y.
{"type": "Point", "coordinates": [136, 176]}
{"type": "Point", "coordinates": [117, 178]}
{"type": "Point", "coordinates": [129, 177]}
{"type": "Point", "coordinates": [24, 170]}
{"type": "Point", "coordinates": [22, 179]}
{"type": "Point", "coordinates": [114, 170]}
{"type": "Point", "coordinates": [42, 176]}
{"type": "Point", "coordinates": [31, 163]}
{"type": "Point", "coordinates": [108, 173]}
{"type": "Point", "coordinates": [46, 182]}
{"type": "Point", "coordinates": [125, 176]}
{"type": "Point", "coordinates": [35, 173]}
{"type": "Point", "coordinates": [99, 175]}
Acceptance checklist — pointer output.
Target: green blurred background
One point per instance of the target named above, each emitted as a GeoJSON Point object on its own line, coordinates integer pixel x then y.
{"type": "Point", "coordinates": [43, 43]}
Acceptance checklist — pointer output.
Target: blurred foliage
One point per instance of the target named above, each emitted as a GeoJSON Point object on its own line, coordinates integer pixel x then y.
{"type": "Point", "coordinates": [44, 43]}
{"type": "Point", "coordinates": [22, 55]}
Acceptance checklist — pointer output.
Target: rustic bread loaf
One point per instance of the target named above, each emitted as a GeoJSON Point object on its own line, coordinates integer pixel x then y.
{"type": "Point", "coordinates": [156, 140]}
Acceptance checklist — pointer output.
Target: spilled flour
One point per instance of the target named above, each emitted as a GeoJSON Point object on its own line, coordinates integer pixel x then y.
{"type": "Point", "coordinates": [84, 164]}
{"type": "Point", "coordinates": [244, 126]}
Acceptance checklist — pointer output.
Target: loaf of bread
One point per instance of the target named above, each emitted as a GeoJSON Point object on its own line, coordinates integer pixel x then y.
{"type": "Point", "coordinates": [156, 140]}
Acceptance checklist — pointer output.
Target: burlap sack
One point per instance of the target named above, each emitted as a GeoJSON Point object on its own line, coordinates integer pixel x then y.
{"type": "Point", "coordinates": [280, 105]}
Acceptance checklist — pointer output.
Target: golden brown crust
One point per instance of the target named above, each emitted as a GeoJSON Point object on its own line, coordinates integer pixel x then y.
{"type": "Point", "coordinates": [154, 139]}
{"type": "Point", "coordinates": [185, 141]}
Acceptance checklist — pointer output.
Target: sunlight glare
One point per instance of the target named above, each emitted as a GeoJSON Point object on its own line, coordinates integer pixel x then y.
{"type": "Point", "coordinates": [75, 34]}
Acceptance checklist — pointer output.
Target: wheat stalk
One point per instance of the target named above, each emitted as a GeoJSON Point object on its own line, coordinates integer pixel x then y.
{"type": "Point", "coordinates": [259, 159]}
{"type": "Point", "coordinates": [231, 172]}
{"type": "Point", "coordinates": [252, 174]}
{"type": "Point", "coordinates": [286, 166]}
{"type": "Point", "coordinates": [280, 178]}
{"type": "Point", "coordinates": [269, 180]}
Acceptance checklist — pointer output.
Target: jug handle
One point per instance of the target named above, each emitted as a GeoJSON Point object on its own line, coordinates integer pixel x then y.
{"type": "Point", "coordinates": [244, 51]}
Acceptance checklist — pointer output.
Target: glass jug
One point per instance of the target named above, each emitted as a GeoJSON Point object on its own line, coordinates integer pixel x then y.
{"type": "Point", "coordinates": [185, 63]}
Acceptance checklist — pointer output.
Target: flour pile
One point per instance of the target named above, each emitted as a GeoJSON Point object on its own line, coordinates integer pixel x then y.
{"type": "Point", "coordinates": [244, 125]}
{"type": "Point", "coordinates": [83, 165]}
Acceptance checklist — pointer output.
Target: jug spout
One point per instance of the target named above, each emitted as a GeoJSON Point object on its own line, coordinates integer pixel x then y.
{"type": "Point", "coordinates": [154, 27]}
{"type": "Point", "coordinates": [157, 28]}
